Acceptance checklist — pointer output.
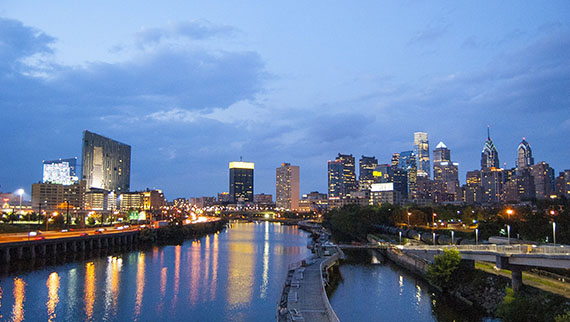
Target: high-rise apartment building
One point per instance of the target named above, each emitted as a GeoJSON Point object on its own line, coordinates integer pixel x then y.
{"type": "Point", "coordinates": [473, 192]}
{"type": "Point", "coordinates": [106, 163]}
{"type": "Point", "coordinates": [524, 155]}
{"type": "Point", "coordinates": [445, 175]}
{"type": "Point", "coordinates": [492, 185]}
{"type": "Point", "coordinates": [366, 175]}
{"type": "Point", "coordinates": [62, 171]}
{"type": "Point", "coordinates": [241, 181]}
{"type": "Point", "coordinates": [421, 145]}
{"type": "Point", "coordinates": [287, 186]}
{"type": "Point", "coordinates": [543, 176]}
{"type": "Point", "coordinates": [408, 162]}
{"type": "Point", "coordinates": [342, 177]}
{"type": "Point", "coordinates": [489, 155]}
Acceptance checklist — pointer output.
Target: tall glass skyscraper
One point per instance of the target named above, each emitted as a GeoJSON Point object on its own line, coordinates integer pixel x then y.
{"type": "Point", "coordinates": [342, 176]}
{"type": "Point", "coordinates": [106, 163]}
{"type": "Point", "coordinates": [524, 155]}
{"type": "Point", "coordinates": [241, 181]}
{"type": "Point", "coordinates": [421, 145]}
{"type": "Point", "coordinates": [366, 176]}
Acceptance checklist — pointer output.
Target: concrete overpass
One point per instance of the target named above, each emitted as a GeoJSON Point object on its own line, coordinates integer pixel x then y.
{"type": "Point", "coordinates": [515, 258]}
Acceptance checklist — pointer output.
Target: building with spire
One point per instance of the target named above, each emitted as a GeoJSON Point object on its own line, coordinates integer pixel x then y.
{"type": "Point", "coordinates": [489, 156]}
{"type": "Point", "coordinates": [524, 155]}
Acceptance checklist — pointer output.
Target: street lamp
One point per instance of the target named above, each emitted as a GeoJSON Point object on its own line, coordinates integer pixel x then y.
{"type": "Point", "coordinates": [409, 214]}
{"type": "Point", "coordinates": [433, 215]}
{"type": "Point", "coordinates": [509, 234]}
{"type": "Point", "coordinates": [400, 233]}
{"type": "Point", "coordinates": [452, 233]}
{"type": "Point", "coordinates": [554, 232]}
{"type": "Point", "coordinates": [476, 236]}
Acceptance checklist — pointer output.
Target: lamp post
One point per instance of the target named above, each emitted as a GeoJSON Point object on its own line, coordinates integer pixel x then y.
{"type": "Point", "coordinates": [433, 215]}
{"type": "Point", "coordinates": [400, 233]}
{"type": "Point", "coordinates": [433, 236]}
{"type": "Point", "coordinates": [476, 236]}
{"type": "Point", "coordinates": [409, 214]}
{"type": "Point", "coordinates": [452, 233]}
{"type": "Point", "coordinates": [508, 234]}
{"type": "Point", "coordinates": [554, 232]}
{"type": "Point", "coordinates": [67, 216]}
{"type": "Point", "coordinates": [21, 193]}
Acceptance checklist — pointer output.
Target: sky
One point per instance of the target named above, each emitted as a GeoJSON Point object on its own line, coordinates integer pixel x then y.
{"type": "Point", "coordinates": [193, 85]}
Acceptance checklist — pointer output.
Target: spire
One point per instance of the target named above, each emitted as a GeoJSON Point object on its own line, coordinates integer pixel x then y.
{"type": "Point", "coordinates": [488, 132]}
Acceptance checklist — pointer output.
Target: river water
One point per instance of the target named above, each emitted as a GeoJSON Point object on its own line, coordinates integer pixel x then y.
{"type": "Point", "coordinates": [235, 275]}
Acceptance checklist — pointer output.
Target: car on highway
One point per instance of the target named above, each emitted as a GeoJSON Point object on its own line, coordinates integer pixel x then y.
{"type": "Point", "coordinates": [83, 234]}
{"type": "Point", "coordinates": [99, 231]}
{"type": "Point", "coordinates": [39, 238]}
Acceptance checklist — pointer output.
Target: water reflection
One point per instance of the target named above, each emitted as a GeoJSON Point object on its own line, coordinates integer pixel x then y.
{"type": "Point", "coordinates": [53, 296]}
{"type": "Point", "coordinates": [112, 286]}
{"type": "Point", "coordinates": [89, 290]}
{"type": "Point", "coordinates": [19, 299]}
{"type": "Point", "coordinates": [140, 285]}
{"type": "Point", "coordinates": [235, 275]}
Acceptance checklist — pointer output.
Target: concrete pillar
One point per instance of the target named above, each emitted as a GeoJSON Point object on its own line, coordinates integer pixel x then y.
{"type": "Point", "coordinates": [98, 243]}
{"type": "Point", "coordinates": [6, 255]}
{"type": "Point", "coordinates": [32, 252]}
{"type": "Point", "coordinates": [111, 241]}
{"type": "Point", "coordinates": [74, 247]}
{"type": "Point", "coordinates": [42, 250]}
{"type": "Point", "coordinates": [516, 278]}
{"type": "Point", "coordinates": [19, 252]}
{"type": "Point", "coordinates": [82, 245]}
{"type": "Point", "coordinates": [105, 242]}
{"type": "Point", "coordinates": [64, 247]}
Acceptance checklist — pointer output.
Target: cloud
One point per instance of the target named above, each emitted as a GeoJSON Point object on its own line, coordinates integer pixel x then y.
{"type": "Point", "coordinates": [429, 35]}
{"type": "Point", "coordinates": [190, 30]}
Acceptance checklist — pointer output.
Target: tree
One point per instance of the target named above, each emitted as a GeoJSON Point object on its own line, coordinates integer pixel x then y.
{"type": "Point", "coordinates": [444, 266]}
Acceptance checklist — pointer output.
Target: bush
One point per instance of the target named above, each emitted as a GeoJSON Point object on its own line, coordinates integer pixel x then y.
{"type": "Point", "coordinates": [441, 272]}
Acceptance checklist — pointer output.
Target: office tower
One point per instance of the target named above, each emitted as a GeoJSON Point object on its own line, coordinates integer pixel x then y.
{"type": "Point", "coordinates": [524, 155]}
{"type": "Point", "coordinates": [395, 159]}
{"type": "Point", "coordinates": [62, 171]}
{"type": "Point", "coordinates": [473, 193]}
{"type": "Point", "coordinates": [421, 145]}
{"type": "Point", "coordinates": [400, 180]}
{"type": "Point", "coordinates": [57, 197]}
{"type": "Point", "coordinates": [408, 162]}
{"type": "Point", "coordinates": [441, 153]}
{"type": "Point", "coordinates": [492, 185]}
{"type": "Point", "coordinates": [519, 187]}
{"type": "Point", "coordinates": [287, 186]}
{"type": "Point", "coordinates": [382, 173]}
{"type": "Point", "coordinates": [384, 193]}
{"type": "Point", "coordinates": [342, 177]}
{"type": "Point", "coordinates": [563, 184]}
{"type": "Point", "coordinates": [241, 181]}
{"type": "Point", "coordinates": [106, 163]}
{"type": "Point", "coordinates": [543, 176]}
{"type": "Point", "coordinates": [445, 175]}
{"type": "Point", "coordinates": [366, 176]}
{"type": "Point", "coordinates": [489, 156]}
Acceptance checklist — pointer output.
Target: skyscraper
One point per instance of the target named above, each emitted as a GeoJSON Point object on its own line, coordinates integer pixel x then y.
{"type": "Point", "coordinates": [287, 186]}
{"type": "Point", "coordinates": [342, 177]}
{"type": "Point", "coordinates": [543, 176]}
{"type": "Point", "coordinates": [408, 162]}
{"type": "Point", "coordinates": [62, 171]}
{"type": "Point", "coordinates": [489, 156]}
{"type": "Point", "coordinates": [524, 155]}
{"type": "Point", "coordinates": [241, 181]}
{"type": "Point", "coordinates": [366, 175]}
{"type": "Point", "coordinates": [106, 163]}
{"type": "Point", "coordinates": [421, 145]}
{"type": "Point", "coordinates": [445, 175]}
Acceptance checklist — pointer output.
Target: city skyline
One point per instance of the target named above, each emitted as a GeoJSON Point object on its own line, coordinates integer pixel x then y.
{"type": "Point", "coordinates": [359, 79]}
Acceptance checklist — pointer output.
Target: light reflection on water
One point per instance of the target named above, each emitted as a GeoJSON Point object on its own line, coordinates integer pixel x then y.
{"type": "Point", "coordinates": [235, 275]}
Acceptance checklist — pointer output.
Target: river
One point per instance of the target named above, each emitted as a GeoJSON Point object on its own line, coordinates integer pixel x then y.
{"type": "Point", "coordinates": [235, 275]}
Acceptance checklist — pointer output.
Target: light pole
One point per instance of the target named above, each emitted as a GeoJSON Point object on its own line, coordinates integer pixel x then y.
{"type": "Point", "coordinates": [508, 234]}
{"type": "Point", "coordinates": [400, 233]}
{"type": "Point", "coordinates": [21, 193]}
{"type": "Point", "coordinates": [433, 236]}
{"type": "Point", "coordinates": [409, 214]}
{"type": "Point", "coordinates": [433, 215]}
{"type": "Point", "coordinates": [476, 236]}
{"type": "Point", "coordinates": [452, 233]}
{"type": "Point", "coordinates": [554, 232]}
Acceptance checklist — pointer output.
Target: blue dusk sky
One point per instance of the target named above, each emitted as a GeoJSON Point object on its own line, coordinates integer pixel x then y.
{"type": "Point", "coordinates": [193, 85]}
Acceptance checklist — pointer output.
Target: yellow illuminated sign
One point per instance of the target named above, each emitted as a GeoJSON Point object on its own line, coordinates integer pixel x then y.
{"type": "Point", "coordinates": [241, 165]}
{"type": "Point", "coordinates": [377, 173]}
